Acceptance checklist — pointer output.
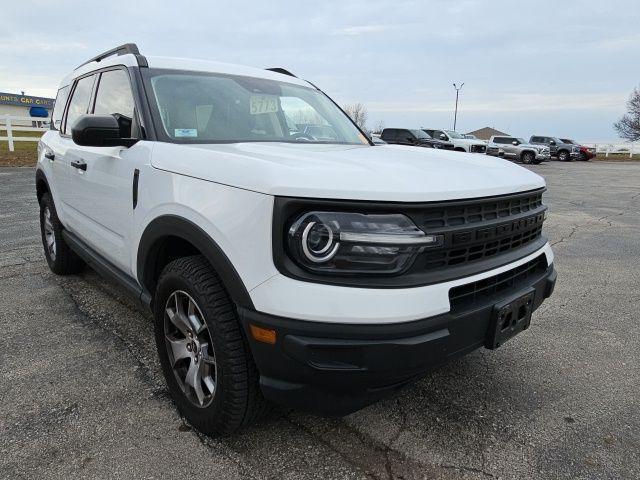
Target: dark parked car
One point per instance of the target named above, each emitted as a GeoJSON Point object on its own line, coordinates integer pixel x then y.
{"type": "Point", "coordinates": [586, 153]}
{"type": "Point", "coordinates": [565, 152]}
{"type": "Point", "coordinates": [416, 137]}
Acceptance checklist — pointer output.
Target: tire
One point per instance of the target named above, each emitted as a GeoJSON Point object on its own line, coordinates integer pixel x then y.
{"type": "Point", "coordinates": [528, 158]}
{"type": "Point", "coordinates": [459, 149]}
{"type": "Point", "coordinates": [563, 156]}
{"type": "Point", "coordinates": [60, 258]}
{"type": "Point", "coordinates": [583, 157]}
{"type": "Point", "coordinates": [229, 397]}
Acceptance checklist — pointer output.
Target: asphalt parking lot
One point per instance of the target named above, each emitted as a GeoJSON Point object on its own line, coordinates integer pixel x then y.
{"type": "Point", "coordinates": [82, 395]}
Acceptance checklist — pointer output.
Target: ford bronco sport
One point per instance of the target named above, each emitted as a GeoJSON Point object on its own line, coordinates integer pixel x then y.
{"type": "Point", "coordinates": [317, 273]}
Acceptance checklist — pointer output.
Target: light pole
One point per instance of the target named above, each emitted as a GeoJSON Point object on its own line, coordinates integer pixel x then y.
{"type": "Point", "coordinates": [455, 115]}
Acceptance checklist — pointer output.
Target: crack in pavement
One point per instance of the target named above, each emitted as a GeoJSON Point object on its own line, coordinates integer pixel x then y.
{"type": "Point", "coordinates": [576, 227]}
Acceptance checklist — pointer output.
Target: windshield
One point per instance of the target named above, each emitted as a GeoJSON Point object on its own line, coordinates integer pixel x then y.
{"type": "Point", "coordinates": [570, 142]}
{"type": "Point", "coordinates": [420, 134]}
{"type": "Point", "coordinates": [520, 140]}
{"type": "Point", "coordinates": [453, 134]}
{"type": "Point", "coordinates": [195, 107]}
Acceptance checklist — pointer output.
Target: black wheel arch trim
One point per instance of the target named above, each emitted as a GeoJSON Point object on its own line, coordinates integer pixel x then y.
{"type": "Point", "coordinates": [41, 177]}
{"type": "Point", "coordinates": [174, 226]}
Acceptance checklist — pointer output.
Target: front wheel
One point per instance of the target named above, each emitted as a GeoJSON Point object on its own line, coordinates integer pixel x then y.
{"type": "Point", "coordinates": [563, 156]}
{"type": "Point", "coordinates": [528, 158]}
{"type": "Point", "coordinates": [204, 356]}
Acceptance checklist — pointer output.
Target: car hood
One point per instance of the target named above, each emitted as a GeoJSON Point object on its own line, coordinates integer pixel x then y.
{"type": "Point", "coordinates": [381, 173]}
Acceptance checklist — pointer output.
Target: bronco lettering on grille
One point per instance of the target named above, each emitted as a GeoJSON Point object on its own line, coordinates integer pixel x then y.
{"type": "Point", "coordinates": [489, 233]}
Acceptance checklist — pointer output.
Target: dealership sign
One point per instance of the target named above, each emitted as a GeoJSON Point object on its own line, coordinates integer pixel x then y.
{"type": "Point", "coordinates": [25, 100]}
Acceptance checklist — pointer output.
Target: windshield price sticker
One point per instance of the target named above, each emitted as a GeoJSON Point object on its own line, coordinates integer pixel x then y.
{"type": "Point", "coordinates": [263, 104]}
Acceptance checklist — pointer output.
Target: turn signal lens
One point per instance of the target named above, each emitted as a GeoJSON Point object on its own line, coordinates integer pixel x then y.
{"type": "Point", "coordinates": [264, 335]}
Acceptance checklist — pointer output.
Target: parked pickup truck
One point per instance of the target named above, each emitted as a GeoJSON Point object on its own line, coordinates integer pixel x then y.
{"type": "Point", "coordinates": [586, 153]}
{"type": "Point", "coordinates": [460, 143]}
{"type": "Point", "coordinates": [279, 267]}
{"type": "Point", "coordinates": [515, 148]}
{"type": "Point", "coordinates": [415, 137]}
{"type": "Point", "coordinates": [563, 151]}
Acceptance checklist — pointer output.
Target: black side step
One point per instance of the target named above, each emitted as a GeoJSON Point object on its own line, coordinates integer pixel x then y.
{"type": "Point", "coordinates": [107, 269]}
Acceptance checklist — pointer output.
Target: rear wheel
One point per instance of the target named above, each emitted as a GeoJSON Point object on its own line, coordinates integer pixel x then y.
{"type": "Point", "coordinates": [204, 355]}
{"type": "Point", "coordinates": [528, 157]}
{"type": "Point", "coordinates": [60, 258]}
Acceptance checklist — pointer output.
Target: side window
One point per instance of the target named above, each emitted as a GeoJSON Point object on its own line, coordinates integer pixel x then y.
{"type": "Point", "coordinates": [437, 133]}
{"type": "Point", "coordinates": [404, 136]}
{"type": "Point", "coordinates": [114, 97]}
{"type": "Point", "coordinates": [79, 102]}
{"type": "Point", "coordinates": [58, 108]}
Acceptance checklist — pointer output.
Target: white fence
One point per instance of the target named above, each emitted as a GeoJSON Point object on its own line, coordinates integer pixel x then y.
{"type": "Point", "coordinates": [10, 124]}
{"type": "Point", "coordinates": [623, 148]}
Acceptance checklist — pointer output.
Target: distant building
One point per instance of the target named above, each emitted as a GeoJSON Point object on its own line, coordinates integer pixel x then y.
{"type": "Point", "coordinates": [18, 105]}
{"type": "Point", "coordinates": [486, 133]}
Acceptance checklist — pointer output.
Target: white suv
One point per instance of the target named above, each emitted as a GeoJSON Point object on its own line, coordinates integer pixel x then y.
{"type": "Point", "coordinates": [317, 273]}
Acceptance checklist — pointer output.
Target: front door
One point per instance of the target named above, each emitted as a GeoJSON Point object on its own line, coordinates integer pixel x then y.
{"type": "Point", "coordinates": [101, 196]}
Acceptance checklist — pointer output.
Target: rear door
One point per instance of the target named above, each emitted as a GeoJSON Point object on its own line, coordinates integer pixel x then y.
{"type": "Point", "coordinates": [102, 187]}
{"type": "Point", "coordinates": [510, 150]}
{"type": "Point", "coordinates": [66, 152]}
{"type": "Point", "coordinates": [55, 170]}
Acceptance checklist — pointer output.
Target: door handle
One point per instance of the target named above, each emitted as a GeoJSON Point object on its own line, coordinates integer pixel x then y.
{"type": "Point", "coordinates": [49, 156]}
{"type": "Point", "coordinates": [80, 165]}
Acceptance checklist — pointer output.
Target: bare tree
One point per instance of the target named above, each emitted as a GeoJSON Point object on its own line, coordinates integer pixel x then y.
{"type": "Point", "coordinates": [379, 127]}
{"type": "Point", "coordinates": [629, 125]}
{"type": "Point", "coordinates": [358, 113]}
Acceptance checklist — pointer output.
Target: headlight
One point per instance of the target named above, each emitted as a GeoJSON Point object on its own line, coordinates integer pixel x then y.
{"type": "Point", "coordinates": [575, 149]}
{"type": "Point", "coordinates": [353, 243]}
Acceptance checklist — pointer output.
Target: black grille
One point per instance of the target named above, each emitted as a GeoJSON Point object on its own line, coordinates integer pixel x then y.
{"type": "Point", "coordinates": [478, 148]}
{"type": "Point", "coordinates": [457, 256]}
{"type": "Point", "coordinates": [479, 229]}
{"type": "Point", "coordinates": [465, 213]}
{"type": "Point", "coordinates": [487, 288]}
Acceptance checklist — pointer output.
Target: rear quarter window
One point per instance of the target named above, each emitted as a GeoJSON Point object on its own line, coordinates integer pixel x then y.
{"type": "Point", "coordinates": [58, 107]}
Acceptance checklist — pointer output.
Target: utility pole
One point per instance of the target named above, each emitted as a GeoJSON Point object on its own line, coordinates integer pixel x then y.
{"type": "Point", "coordinates": [455, 115]}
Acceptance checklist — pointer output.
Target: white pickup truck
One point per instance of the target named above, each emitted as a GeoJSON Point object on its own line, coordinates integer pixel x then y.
{"type": "Point", "coordinates": [460, 142]}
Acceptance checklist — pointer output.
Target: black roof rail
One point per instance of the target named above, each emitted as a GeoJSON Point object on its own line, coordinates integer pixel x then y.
{"type": "Point", "coordinates": [281, 70]}
{"type": "Point", "coordinates": [125, 49]}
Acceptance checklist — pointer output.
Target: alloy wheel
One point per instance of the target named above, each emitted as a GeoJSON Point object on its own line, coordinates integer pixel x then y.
{"type": "Point", "coordinates": [49, 235]}
{"type": "Point", "coordinates": [190, 349]}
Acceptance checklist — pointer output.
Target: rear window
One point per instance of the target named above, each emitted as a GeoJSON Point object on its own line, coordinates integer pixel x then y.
{"type": "Point", "coordinates": [79, 103]}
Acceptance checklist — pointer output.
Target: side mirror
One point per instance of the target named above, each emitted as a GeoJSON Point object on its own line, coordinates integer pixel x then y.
{"type": "Point", "coordinates": [552, 142]}
{"type": "Point", "coordinates": [99, 131]}
{"type": "Point", "coordinates": [443, 136]}
{"type": "Point", "coordinates": [515, 143]}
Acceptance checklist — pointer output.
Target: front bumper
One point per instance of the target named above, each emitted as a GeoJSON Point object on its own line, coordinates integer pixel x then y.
{"type": "Point", "coordinates": [543, 156]}
{"type": "Point", "coordinates": [337, 368]}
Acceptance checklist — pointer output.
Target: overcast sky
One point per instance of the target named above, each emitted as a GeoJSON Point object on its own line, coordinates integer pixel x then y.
{"type": "Point", "coordinates": [563, 68]}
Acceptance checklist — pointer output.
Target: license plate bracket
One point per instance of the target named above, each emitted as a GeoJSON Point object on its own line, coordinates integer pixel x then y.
{"type": "Point", "coordinates": [509, 318]}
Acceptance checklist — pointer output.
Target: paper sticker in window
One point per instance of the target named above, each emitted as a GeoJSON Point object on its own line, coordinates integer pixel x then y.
{"type": "Point", "coordinates": [185, 132]}
{"type": "Point", "coordinates": [263, 104]}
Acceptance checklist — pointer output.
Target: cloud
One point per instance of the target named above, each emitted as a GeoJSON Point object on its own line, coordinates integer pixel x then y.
{"type": "Point", "coordinates": [363, 29]}
{"type": "Point", "coordinates": [511, 103]}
